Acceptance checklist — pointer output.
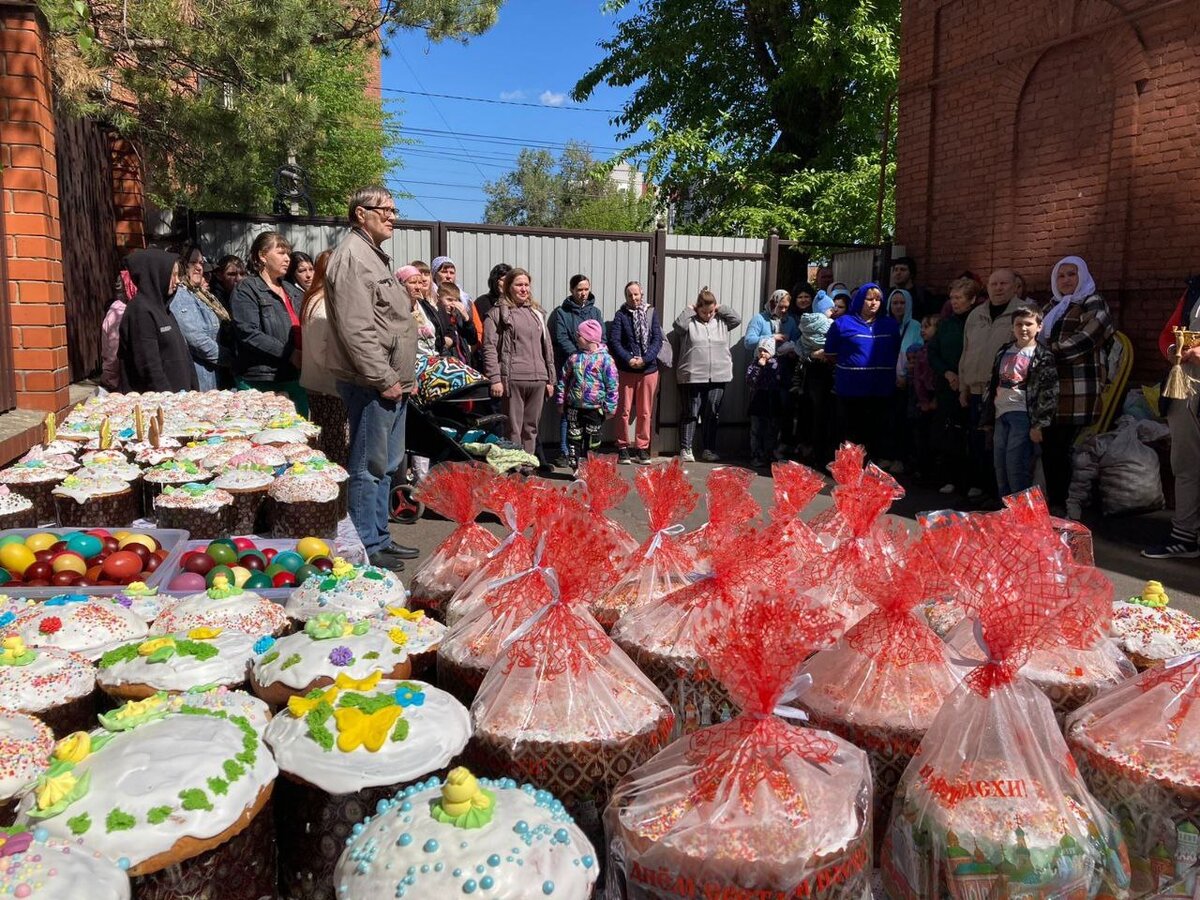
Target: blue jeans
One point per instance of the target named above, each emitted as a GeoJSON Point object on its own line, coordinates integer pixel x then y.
{"type": "Point", "coordinates": [376, 452]}
{"type": "Point", "coordinates": [562, 435]}
{"type": "Point", "coordinates": [1013, 453]}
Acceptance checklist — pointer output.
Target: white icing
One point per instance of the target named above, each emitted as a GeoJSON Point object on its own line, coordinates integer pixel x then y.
{"type": "Point", "coordinates": [425, 635]}
{"type": "Point", "coordinates": [246, 612]}
{"type": "Point", "coordinates": [243, 480]}
{"type": "Point", "coordinates": [376, 861]}
{"type": "Point", "coordinates": [280, 436]}
{"type": "Point", "coordinates": [25, 748]}
{"type": "Point", "coordinates": [58, 869]}
{"type": "Point", "coordinates": [180, 671]}
{"type": "Point", "coordinates": [35, 472]}
{"type": "Point", "coordinates": [438, 731]}
{"type": "Point", "coordinates": [148, 767]}
{"type": "Point", "coordinates": [209, 500]}
{"type": "Point", "coordinates": [314, 658]}
{"type": "Point", "coordinates": [144, 606]}
{"type": "Point", "coordinates": [358, 598]}
{"type": "Point", "coordinates": [236, 703]}
{"type": "Point", "coordinates": [125, 471]}
{"type": "Point", "coordinates": [12, 502]}
{"type": "Point", "coordinates": [81, 489]}
{"type": "Point", "coordinates": [306, 487]}
{"type": "Point", "coordinates": [53, 678]}
{"type": "Point", "coordinates": [90, 628]}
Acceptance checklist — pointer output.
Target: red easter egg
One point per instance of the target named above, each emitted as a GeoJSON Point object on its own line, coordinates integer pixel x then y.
{"type": "Point", "coordinates": [111, 545]}
{"type": "Point", "coordinates": [243, 543]}
{"type": "Point", "coordinates": [152, 564]}
{"type": "Point", "coordinates": [38, 571]}
{"type": "Point", "coordinates": [43, 555]}
{"type": "Point", "coordinates": [140, 550]}
{"type": "Point", "coordinates": [62, 579]}
{"type": "Point", "coordinates": [284, 579]}
{"type": "Point", "coordinates": [58, 546]}
{"type": "Point", "coordinates": [161, 554]}
{"type": "Point", "coordinates": [199, 562]}
{"type": "Point", "coordinates": [122, 564]}
{"type": "Point", "coordinates": [37, 582]}
{"type": "Point", "coordinates": [92, 574]}
{"type": "Point", "coordinates": [269, 553]}
{"type": "Point", "coordinates": [99, 532]}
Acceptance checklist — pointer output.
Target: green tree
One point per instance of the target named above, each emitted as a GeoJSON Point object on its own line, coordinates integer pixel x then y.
{"type": "Point", "coordinates": [219, 94]}
{"type": "Point", "coordinates": [761, 114]}
{"type": "Point", "coordinates": [572, 191]}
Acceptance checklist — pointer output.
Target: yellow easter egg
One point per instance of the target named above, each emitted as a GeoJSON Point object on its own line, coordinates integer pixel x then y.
{"type": "Point", "coordinates": [311, 547]}
{"type": "Point", "coordinates": [144, 539]}
{"type": "Point", "coordinates": [43, 540]}
{"type": "Point", "coordinates": [68, 562]}
{"type": "Point", "coordinates": [241, 575]}
{"type": "Point", "coordinates": [16, 558]}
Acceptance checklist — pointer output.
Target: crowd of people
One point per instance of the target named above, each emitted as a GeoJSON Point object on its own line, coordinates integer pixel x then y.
{"type": "Point", "coordinates": [965, 393]}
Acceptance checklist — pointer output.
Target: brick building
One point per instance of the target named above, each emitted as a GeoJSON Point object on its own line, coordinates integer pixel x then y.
{"type": "Point", "coordinates": [1036, 129]}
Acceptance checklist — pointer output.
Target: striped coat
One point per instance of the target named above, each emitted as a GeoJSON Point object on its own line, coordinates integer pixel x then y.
{"type": "Point", "coordinates": [1078, 341]}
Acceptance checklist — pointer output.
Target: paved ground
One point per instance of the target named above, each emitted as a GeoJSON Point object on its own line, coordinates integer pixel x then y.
{"type": "Point", "coordinates": [1117, 541]}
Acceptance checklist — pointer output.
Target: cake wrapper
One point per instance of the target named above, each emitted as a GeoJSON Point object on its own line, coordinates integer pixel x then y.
{"type": "Point", "coordinates": [242, 868]}
{"type": "Point", "coordinates": [116, 509]}
{"type": "Point", "coordinates": [74, 715]}
{"type": "Point", "coordinates": [601, 489]}
{"type": "Point", "coordinates": [247, 511]}
{"type": "Point", "coordinates": [731, 508]}
{"type": "Point", "coordinates": [694, 692]}
{"type": "Point", "coordinates": [45, 507]}
{"type": "Point", "coordinates": [307, 518]}
{"type": "Point", "coordinates": [201, 524]}
{"type": "Point", "coordinates": [24, 518]}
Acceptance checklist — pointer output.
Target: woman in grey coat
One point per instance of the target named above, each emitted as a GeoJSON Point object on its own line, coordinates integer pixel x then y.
{"type": "Point", "coordinates": [704, 367]}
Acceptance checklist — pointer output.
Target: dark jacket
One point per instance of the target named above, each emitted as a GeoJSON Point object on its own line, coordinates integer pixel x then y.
{"type": "Point", "coordinates": [945, 352]}
{"type": "Point", "coordinates": [1041, 388]}
{"type": "Point", "coordinates": [464, 337]}
{"type": "Point", "coordinates": [153, 352]}
{"type": "Point", "coordinates": [264, 334]}
{"type": "Point", "coordinates": [623, 342]}
{"type": "Point", "coordinates": [565, 321]}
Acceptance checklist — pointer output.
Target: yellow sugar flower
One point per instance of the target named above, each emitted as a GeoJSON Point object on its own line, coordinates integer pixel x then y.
{"type": "Point", "coordinates": [13, 648]}
{"type": "Point", "coordinates": [301, 706]}
{"type": "Point", "coordinates": [136, 708]}
{"type": "Point", "coordinates": [399, 636]}
{"type": "Point", "coordinates": [74, 748]}
{"type": "Point", "coordinates": [341, 568]}
{"type": "Point", "coordinates": [346, 683]}
{"type": "Point", "coordinates": [145, 648]}
{"type": "Point", "coordinates": [54, 789]}
{"type": "Point", "coordinates": [204, 633]}
{"type": "Point", "coordinates": [409, 615]}
{"type": "Point", "coordinates": [357, 729]}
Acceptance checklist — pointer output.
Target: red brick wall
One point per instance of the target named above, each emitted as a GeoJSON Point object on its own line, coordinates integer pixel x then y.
{"type": "Point", "coordinates": [1036, 129]}
{"type": "Point", "coordinates": [29, 204]}
{"type": "Point", "coordinates": [129, 196]}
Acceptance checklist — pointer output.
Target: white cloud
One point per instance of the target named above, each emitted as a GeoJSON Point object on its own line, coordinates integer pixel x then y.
{"type": "Point", "coordinates": [512, 95]}
{"type": "Point", "coordinates": [550, 98]}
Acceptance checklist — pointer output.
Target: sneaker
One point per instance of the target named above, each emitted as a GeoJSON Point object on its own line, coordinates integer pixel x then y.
{"type": "Point", "coordinates": [709, 456]}
{"type": "Point", "coordinates": [623, 457]}
{"type": "Point", "coordinates": [974, 493]}
{"type": "Point", "coordinates": [946, 489]}
{"type": "Point", "coordinates": [686, 454]}
{"type": "Point", "coordinates": [643, 456]}
{"type": "Point", "coordinates": [562, 462]}
{"type": "Point", "coordinates": [1173, 549]}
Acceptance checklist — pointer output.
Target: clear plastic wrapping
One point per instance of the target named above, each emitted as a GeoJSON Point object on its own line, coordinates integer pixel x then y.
{"type": "Point", "coordinates": [731, 509]}
{"type": "Point", "coordinates": [603, 490]}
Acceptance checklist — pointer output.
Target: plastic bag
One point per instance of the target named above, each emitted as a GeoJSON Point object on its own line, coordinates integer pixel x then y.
{"type": "Point", "coordinates": [731, 509]}
{"type": "Point", "coordinates": [795, 487]}
{"type": "Point", "coordinates": [992, 804]}
{"type": "Point", "coordinates": [665, 638]}
{"type": "Point", "coordinates": [1129, 476]}
{"type": "Point", "coordinates": [603, 490]}
{"type": "Point", "coordinates": [883, 683]}
{"type": "Point", "coordinates": [456, 491]}
{"type": "Point", "coordinates": [565, 709]}
{"type": "Point", "coordinates": [660, 564]}
{"type": "Point", "coordinates": [1137, 747]}
{"type": "Point", "coordinates": [757, 806]}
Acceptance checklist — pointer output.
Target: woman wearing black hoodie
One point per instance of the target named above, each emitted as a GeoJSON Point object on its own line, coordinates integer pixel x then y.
{"type": "Point", "coordinates": [153, 351]}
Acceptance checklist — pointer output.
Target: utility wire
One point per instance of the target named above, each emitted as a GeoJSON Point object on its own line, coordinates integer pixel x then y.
{"type": "Point", "coordinates": [430, 97]}
{"type": "Point", "coordinates": [499, 102]}
{"type": "Point", "coordinates": [494, 139]}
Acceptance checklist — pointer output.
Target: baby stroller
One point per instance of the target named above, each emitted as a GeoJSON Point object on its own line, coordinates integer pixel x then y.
{"type": "Point", "coordinates": [451, 407]}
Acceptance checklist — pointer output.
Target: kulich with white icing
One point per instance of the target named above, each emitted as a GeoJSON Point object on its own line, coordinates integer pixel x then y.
{"type": "Point", "coordinates": [151, 778]}
{"type": "Point", "coordinates": [33, 680]}
{"type": "Point", "coordinates": [193, 496]}
{"type": "Point", "coordinates": [178, 662]}
{"type": "Point", "coordinates": [35, 471]}
{"type": "Point", "coordinates": [513, 843]}
{"type": "Point", "coordinates": [358, 591]}
{"type": "Point", "coordinates": [425, 635]}
{"type": "Point", "coordinates": [175, 471]}
{"type": "Point", "coordinates": [89, 626]}
{"type": "Point", "coordinates": [329, 645]}
{"type": "Point", "coordinates": [368, 732]}
{"type": "Point", "coordinates": [304, 487]}
{"type": "Point", "coordinates": [25, 748]}
{"type": "Point", "coordinates": [12, 502]}
{"type": "Point", "coordinates": [223, 606]}
{"type": "Point", "coordinates": [145, 602]}
{"type": "Point", "coordinates": [1154, 634]}
{"type": "Point", "coordinates": [82, 488]}
{"type": "Point", "coordinates": [35, 865]}
{"type": "Point", "coordinates": [125, 471]}
{"type": "Point", "coordinates": [234, 480]}
{"type": "Point", "coordinates": [222, 699]}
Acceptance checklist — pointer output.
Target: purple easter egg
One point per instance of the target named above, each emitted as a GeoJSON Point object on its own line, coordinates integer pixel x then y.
{"type": "Point", "coordinates": [186, 581]}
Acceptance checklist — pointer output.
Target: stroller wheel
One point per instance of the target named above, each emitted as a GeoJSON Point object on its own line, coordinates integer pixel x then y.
{"type": "Point", "coordinates": [406, 510]}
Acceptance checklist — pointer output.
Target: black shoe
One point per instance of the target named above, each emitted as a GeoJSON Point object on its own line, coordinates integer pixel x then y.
{"type": "Point", "coordinates": [382, 559]}
{"type": "Point", "coordinates": [562, 462]}
{"type": "Point", "coordinates": [402, 552]}
{"type": "Point", "coordinates": [623, 457]}
{"type": "Point", "coordinates": [643, 456]}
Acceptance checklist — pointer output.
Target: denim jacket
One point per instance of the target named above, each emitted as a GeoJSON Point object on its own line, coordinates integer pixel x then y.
{"type": "Point", "coordinates": [265, 337]}
{"type": "Point", "coordinates": [209, 340]}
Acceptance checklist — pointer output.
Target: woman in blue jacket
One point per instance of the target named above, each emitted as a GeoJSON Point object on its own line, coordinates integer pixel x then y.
{"type": "Point", "coordinates": [863, 346]}
{"type": "Point", "coordinates": [634, 340]}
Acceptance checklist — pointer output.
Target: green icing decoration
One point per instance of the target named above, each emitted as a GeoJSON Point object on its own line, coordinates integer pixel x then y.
{"type": "Point", "coordinates": [292, 660]}
{"type": "Point", "coordinates": [22, 660]}
{"type": "Point", "coordinates": [233, 770]}
{"type": "Point", "coordinates": [194, 798]}
{"type": "Point", "coordinates": [371, 654]}
{"type": "Point", "coordinates": [198, 649]}
{"type": "Point", "coordinates": [400, 732]}
{"type": "Point", "coordinates": [269, 658]}
{"type": "Point", "coordinates": [161, 655]}
{"type": "Point", "coordinates": [158, 815]}
{"type": "Point", "coordinates": [399, 648]}
{"type": "Point", "coordinates": [79, 824]}
{"type": "Point", "coordinates": [369, 705]}
{"type": "Point", "coordinates": [202, 688]}
{"type": "Point", "coordinates": [80, 790]}
{"type": "Point", "coordinates": [118, 820]}
{"type": "Point", "coordinates": [326, 626]}
{"type": "Point", "coordinates": [373, 575]}
{"type": "Point", "coordinates": [473, 818]}
{"type": "Point", "coordinates": [127, 653]}
{"type": "Point", "coordinates": [218, 786]}
{"type": "Point", "coordinates": [329, 584]}
{"type": "Point", "coordinates": [111, 722]}
{"type": "Point", "coordinates": [223, 593]}
{"type": "Point", "coordinates": [316, 719]}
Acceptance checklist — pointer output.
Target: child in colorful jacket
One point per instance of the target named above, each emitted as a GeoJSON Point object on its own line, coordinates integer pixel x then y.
{"type": "Point", "coordinates": [587, 391]}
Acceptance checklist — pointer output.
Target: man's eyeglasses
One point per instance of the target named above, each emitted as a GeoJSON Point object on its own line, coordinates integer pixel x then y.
{"type": "Point", "coordinates": [385, 211]}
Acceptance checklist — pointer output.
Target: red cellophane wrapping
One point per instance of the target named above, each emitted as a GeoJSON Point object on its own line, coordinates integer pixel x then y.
{"type": "Point", "coordinates": [1138, 747]}
{"type": "Point", "coordinates": [581, 557]}
{"type": "Point", "coordinates": [731, 508]}
{"type": "Point", "coordinates": [1075, 536]}
{"type": "Point", "coordinates": [456, 491]}
{"type": "Point", "coordinates": [992, 804]}
{"type": "Point", "coordinates": [883, 683]}
{"type": "Point", "coordinates": [521, 503]}
{"type": "Point", "coordinates": [665, 638]}
{"type": "Point", "coordinates": [795, 487]}
{"type": "Point", "coordinates": [661, 564]}
{"type": "Point", "coordinates": [565, 709]}
{"type": "Point", "coordinates": [756, 806]}
{"type": "Point", "coordinates": [1073, 672]}
{"type": "Point", "coordinates": [604, 490]}
{"type": "Point", "coordinates": [852, 533]}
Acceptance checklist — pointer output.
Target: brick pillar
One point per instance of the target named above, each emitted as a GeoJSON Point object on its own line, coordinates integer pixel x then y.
{"type": "Point", "coordinates": [29, 204]}
{"type": "Point", "coordinates": [129, 195]}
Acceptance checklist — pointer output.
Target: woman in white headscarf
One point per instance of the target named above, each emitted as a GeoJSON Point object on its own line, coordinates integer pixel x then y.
{"type": "Point", "coordinates": [1077, 328]}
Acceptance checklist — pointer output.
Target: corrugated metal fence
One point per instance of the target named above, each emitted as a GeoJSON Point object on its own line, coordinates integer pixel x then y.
{"type": "Point", "coordinates": [672, 268]}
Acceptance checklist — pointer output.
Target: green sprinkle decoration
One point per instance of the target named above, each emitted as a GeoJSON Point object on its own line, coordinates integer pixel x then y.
{"type": "Point", "coordinates": [79, 824]}
{"type": "Point", "coordinates": [158, 814]}
{"type": "Point", "coordinates": [126, 653]}
{"type": "Point", "coordinates": [369, 705]}
{"type": "Point", "coordinates": [233, 770]}
{"type": "Point", "coordinates": [400, 732]}
{"type": "Point", "coordinates": [269, 658]}
{"type": "Point", "coordinates": [292, 660]}
{"type": "Point", "coordinates": [194, 798]}
{"type": "Point", "coordinates": [218, 786]}
{"type": "Point", "coordinates": [371, 654]}
{"type": "Point", "coordinates": [119, 820]}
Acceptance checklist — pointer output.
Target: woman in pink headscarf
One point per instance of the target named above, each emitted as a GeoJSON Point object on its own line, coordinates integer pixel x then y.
{"type": "Point", "coordinates": [1077, 328]}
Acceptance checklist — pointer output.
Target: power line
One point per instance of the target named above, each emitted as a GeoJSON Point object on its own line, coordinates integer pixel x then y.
{"type": "Point", "coordinates": [429, 96]}
{"type": "Point", "coordinates": [449, 184]}
{"type": "Point", "coordinates": [500, 102]}
{"type": "Point", "coordinates": [462, 160]}
{"type": "Point", "coordinates": [495, 139]}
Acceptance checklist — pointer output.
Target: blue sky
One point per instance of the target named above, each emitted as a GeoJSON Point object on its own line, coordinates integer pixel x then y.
{"type": "Point", "coordinates": [535, 53]}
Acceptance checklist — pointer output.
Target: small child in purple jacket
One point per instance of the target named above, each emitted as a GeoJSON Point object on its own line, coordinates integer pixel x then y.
{"type": "Point", "coordinates": [587, 391]}
{"type": "Point", "coordinates": [762, 377]}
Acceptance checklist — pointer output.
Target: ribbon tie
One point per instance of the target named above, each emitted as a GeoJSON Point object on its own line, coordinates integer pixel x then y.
{"type": "Point", "coordinates": [510, 519]}
{"type": "Point", "coordinates": [658, 538]}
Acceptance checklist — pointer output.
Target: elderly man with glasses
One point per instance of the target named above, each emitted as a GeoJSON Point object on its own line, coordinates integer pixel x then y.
{"type": "Point", "coordinates": [373, 357]}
